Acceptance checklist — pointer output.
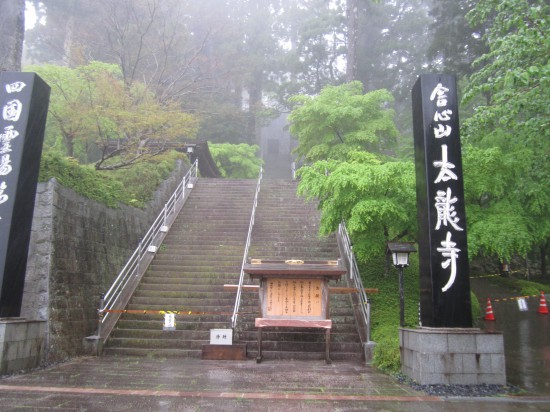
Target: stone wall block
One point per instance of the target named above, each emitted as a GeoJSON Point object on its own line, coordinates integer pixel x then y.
{"type": "Point", "coordinates": [435, 343]}
{"type": "Point", "coordinates": [489, 343]}
{"type": "Point", "coordinates": [463, 343]}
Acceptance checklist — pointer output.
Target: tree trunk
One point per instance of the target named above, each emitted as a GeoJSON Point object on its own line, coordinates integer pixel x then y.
{"type": "Point", "coordinates": [352, 15]}
{"type": "Point", "coordinates": [12, 32]}
{"type": "Point", "coordinates": [255, 104]}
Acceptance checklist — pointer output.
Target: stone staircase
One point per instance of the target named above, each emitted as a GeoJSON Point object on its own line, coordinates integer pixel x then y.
{"type": "Point", "coordinates": [287, 227]}
{"type": "Point", "coordinates": [204, 250]}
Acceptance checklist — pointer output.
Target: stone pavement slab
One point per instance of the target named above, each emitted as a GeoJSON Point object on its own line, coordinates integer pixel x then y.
{"type": "Point", "coordinates": [149, 384]}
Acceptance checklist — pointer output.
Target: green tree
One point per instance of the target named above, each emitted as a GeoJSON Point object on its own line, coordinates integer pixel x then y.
{"type": "Point", "coordinates": [515, 74]}
{"type": "Point", "coordinates": [112, 125]}
{"type": "Point", "coordinates": [342, 133]}
{"type": "Point", "coordinates": [238, 161]}
{"type": "Point", "coordinates": [374, 195]}
{"type": "Point", "coordinates": [497, 223]}
{"type": "Point", "coordinates": [342, 119]}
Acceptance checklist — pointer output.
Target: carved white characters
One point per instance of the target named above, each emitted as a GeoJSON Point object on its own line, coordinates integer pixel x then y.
{"type": "Point", "coordinates": [444, 201]}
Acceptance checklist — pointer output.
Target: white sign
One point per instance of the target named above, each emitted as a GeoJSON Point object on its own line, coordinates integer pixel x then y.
{"type": "Point", "coordinates": [169, 321]}
{"type": "Point", "coordinates": [522, 304]}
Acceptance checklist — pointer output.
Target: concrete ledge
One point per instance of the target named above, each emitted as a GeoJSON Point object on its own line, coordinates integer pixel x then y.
{"type": "Point", "coordinates": [22, 344]}
{"type": "Point", "coordinates": [452, 356]}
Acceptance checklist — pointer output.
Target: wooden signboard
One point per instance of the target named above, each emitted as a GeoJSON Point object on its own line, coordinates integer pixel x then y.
{"type": "Point", "coordinates": [294, 294]}
{"type": "Point", "coordinates": [293, 298]}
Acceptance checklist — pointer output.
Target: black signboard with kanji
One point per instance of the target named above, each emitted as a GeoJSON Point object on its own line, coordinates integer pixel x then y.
{"type": "Point", "coordinates": [24, 99]}
{"type": "Point", "coordinates": [443, 253]}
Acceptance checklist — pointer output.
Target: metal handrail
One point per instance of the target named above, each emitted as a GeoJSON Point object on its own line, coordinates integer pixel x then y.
{"type": "Point", "coordinates": [148, 245]}
{"type": "Point", "coordinates": [346, 250]}
{"type": "Point", "coordinates": [245, 255]}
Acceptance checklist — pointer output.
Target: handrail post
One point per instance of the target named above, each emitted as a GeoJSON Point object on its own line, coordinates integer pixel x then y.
{"type": "Point", "coordinates": [99, 341]}
{"type": "Point", "coordinates": [140, 251]}
{"type": "Point", "coordinates": [100, 313]}
{"type": "Point", "coordinates": [368, 319]}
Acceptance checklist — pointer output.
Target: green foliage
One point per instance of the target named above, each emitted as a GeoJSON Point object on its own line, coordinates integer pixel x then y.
{"type": "Point", "coordinates": [508, 172]}
{"type": "Point", "coordinates": [520, 287]}
{"type": "Point", "coordinates": [132, 186]}
{"type": "Point", "coordinates": [238, 161]}
{"type": "Point", "coordinates": [342, 119]}
{"type": "Point", "coordinates": [98, 118]}
{"type": "Point", "coordinates": [375, 196]}
{"type": "Point", "coordinates": [143, 178]}
{"type": "Point", "coordinates": [83, 180]}
{"type": "Point", "coordinates": [385, 308]}
{"type": "Point", "coordinates": [477, 311]}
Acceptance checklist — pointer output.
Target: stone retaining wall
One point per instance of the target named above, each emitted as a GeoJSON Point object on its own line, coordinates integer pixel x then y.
{"type": "Point", "coordinates": [78, 246]}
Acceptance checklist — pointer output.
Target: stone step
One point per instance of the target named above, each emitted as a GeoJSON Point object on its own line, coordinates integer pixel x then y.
{"type": "Point", "coordinates": [299, 336]}
{"type": "Point", "coordinates": [246, 321]}
{"type": "Point", "coordinates": [188, 279]}
{"type": "Point", "coordinates": [188, 344]}
{"type": "Point", "coordinates": [192, 287]}
{"type": "Point", "coordinates": [311, 356]}
{"type": "Point", "coordinates": [213, 268]}
{"type": "Point", "coordinates": [138, 302]}
{"type": "Point", "coordinates": [205, 293]}
{"type": "Point", "coordinates": [139, 318]}
{"type": "Point", "coordinates": [210, 307]}
{"type": "Point", "coordinates": [173, 258]}
{"type": "Point", "coordinates": [172, 251]}
{"type": "Point", "coordinates": [159, 334]}
{"type": "Point", "coordinates": [132, 325]}
{"type": "Point", "coordinates": [153, 352]}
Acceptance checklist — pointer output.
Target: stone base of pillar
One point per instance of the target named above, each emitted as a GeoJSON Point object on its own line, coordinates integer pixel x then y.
{"type": "Point", "coordinates": [22, 344]}
{"type": "Point", "coordinates": [449, 356]}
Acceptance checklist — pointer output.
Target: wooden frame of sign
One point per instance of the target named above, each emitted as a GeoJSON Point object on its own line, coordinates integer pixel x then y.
{"type": "Point", "coordinates": [294, 294]}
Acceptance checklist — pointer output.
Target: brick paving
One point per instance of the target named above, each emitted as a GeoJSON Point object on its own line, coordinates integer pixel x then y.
{"type": "Point", "coordinates": [112, 383]}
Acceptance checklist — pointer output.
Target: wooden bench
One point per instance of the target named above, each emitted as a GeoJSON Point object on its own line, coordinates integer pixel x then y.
{"type": "Point", "coordinates": [294, 323]}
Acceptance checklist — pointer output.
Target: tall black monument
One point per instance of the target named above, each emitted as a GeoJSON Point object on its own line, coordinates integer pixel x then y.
{"type": "Point", "coordinates": [444, 269]}
{"type": "Point", "coordinates": [24, 99]}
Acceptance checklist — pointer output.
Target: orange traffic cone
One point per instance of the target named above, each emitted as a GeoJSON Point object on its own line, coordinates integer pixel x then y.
{"type": "Point", "coordinates": [542, 306]}
{"type": "Point", "coordinates": [489, 311]}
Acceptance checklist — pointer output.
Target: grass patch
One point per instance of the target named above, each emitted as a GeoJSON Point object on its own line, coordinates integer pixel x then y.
{"type": "Point", "coordinates": [385, 309]}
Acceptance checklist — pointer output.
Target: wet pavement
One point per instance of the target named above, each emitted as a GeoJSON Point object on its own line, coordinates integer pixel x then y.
{"type": "Point", "coordinates": [147, 384]}
{"type": "Point", "coordinates": [526, 336]}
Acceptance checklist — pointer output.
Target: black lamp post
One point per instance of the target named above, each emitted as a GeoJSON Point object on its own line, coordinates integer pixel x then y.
{"type": "Point", "coordinates": [400, 253]}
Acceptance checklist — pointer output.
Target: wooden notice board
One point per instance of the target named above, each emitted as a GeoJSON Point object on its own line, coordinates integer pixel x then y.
{"type": "Point", "coordinates": [285, 297]}
{"type": "Point", "coordinates": [294, 294]}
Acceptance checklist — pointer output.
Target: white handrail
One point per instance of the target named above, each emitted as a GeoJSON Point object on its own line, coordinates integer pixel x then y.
{"type": "Point", "coordinates": [147, 245]}
{"type": "Point", "coordinates": [354, 276]}
{"type": "Point", "coordinates": [245, 255]}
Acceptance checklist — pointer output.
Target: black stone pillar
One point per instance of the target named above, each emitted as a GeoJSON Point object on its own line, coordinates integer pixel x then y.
{"type": "Point", "coordinates": [24, 99]}
{"type": "Point", "coordinates": [443, 253]}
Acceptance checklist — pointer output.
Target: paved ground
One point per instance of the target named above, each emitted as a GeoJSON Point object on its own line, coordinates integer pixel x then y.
{"type": "Point", "coordinates": [143, 384]}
